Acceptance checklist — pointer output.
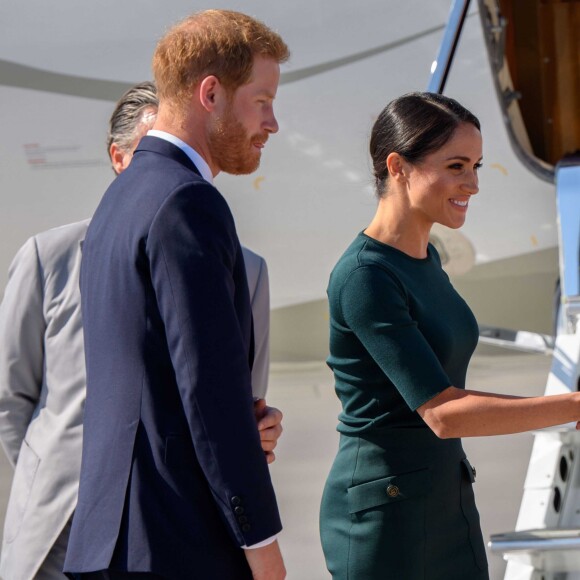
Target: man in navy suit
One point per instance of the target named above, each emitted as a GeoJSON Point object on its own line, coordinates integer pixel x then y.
{"type": "Point", "coordinates": [174, 482]}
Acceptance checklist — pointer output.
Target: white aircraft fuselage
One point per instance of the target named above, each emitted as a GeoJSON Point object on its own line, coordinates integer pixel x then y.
{"type": "Point", "coordinates": [61, 72]}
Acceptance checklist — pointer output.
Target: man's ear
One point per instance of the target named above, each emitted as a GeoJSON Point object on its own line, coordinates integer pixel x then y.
{"type": "Point", "coordinates": [118, 156]}
{"type": "Point", "coordinates": [210, 90]}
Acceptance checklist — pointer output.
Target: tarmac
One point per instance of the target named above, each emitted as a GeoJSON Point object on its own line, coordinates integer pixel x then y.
{"type": "Point", "coordinates": [304, 392]}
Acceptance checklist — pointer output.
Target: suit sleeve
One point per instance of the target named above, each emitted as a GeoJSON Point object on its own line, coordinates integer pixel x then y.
{"type": "Point", "coordinates": [192, 247]}
{"type": "Point", "coordinates": [22, 327]}
{"type": "Point", "coordinates": [261, 313]}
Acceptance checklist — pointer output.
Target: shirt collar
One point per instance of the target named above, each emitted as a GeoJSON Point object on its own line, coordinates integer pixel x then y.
{"type": "Point", "coordinates": [197, 159]}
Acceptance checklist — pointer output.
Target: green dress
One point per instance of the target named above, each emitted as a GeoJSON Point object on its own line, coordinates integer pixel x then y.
{"type": "Point", "coordinates": [398, 503]}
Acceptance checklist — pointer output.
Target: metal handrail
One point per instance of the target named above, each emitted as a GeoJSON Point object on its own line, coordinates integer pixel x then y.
{"type": "Point", "coordinates": [441, 66]}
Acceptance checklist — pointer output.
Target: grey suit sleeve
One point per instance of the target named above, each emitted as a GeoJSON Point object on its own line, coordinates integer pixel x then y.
{"type": "Point", "coordinates": [261, 314]}
{"type": "Point", "coordinates": [22, 327]}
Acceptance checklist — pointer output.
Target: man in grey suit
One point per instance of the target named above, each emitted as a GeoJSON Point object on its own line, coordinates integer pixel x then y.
{"type": "Point", "coordinates": [42, 371]}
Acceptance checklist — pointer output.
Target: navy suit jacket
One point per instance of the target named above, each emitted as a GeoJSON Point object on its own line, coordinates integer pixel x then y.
{"type": "Point", "coordinates": [173, 478]}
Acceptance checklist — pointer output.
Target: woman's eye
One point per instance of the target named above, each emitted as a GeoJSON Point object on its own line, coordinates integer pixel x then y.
{"type": "Point", "coordinates": [477, 166]}
{"type": "Point", "coordinates": [456, 166]}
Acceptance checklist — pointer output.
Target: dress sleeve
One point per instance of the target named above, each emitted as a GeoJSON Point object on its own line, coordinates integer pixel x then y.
{"type": "Point", "coordinates": [375, 307]}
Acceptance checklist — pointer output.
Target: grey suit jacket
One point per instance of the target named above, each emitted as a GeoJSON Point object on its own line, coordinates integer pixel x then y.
{"type": "Point", "coordinates": [257, 274]}
{"type": "Point", "coordinates": [42, 388]}
{"type": "Point", "coordinates": [42, 391]}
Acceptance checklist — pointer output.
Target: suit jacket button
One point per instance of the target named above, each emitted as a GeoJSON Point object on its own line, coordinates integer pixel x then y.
{"type": "Point", "coordinates": [236, 500]}
{"type": "Point", "coordinates": [392, 491]}
{"type": "Point", "coordinates": [243, 519]}
{"type": "Point", "coordinates": [239, 510]}
{"type": "Point", "coordinates": [246, 528]}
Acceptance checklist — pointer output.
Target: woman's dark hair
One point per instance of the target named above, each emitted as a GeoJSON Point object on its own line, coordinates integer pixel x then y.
{"type": "Point", "coordinates": [413, 126]}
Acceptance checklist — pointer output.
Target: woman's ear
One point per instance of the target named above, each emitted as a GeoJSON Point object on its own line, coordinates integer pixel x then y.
{"type": "Point", "coordinates": [397, 167]}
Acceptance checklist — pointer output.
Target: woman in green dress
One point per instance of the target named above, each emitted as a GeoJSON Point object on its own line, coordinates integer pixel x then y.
{"type": "Point", "coordinates": [398, 503]}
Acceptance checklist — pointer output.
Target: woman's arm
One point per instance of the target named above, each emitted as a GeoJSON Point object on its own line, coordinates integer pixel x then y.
{"type": "Point", "coordinates": [462, 413]}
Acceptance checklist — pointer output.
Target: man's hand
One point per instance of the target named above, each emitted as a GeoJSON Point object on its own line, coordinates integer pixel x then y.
{"type": "Point", "coordinates": [266, 563]}
{"type": "Point", "coordinates": [270, 427]}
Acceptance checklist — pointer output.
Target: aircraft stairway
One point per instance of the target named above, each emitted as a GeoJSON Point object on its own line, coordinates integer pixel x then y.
{"type": "Point", "coordinates": [546, 543]}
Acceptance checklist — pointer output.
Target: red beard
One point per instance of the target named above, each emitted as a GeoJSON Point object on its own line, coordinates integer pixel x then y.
{"type": "Point", "coordinates": [231, 149]}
